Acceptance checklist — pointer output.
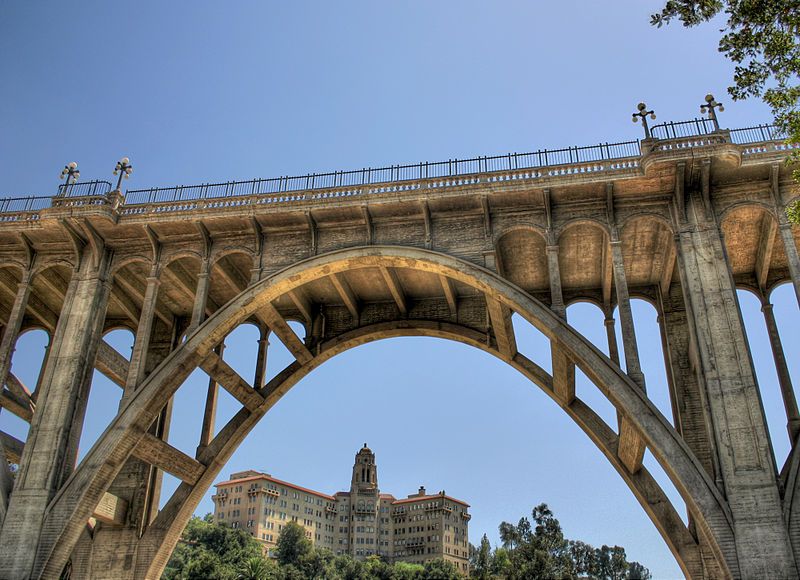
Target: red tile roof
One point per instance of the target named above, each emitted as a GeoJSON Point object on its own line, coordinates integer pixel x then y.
{"type": "Point", "coordinates": [266, 477]}
{"type": "Point", "coordinates": [429, 497]}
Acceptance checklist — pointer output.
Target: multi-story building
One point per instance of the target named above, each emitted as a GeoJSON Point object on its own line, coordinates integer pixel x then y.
{"type": "Point", "coordinates": [360, 522]}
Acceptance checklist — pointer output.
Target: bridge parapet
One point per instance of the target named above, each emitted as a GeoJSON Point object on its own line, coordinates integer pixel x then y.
{"type": "Point", "coordinates": [544, 168]}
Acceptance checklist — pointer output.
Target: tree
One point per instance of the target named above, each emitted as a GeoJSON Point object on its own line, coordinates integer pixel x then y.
{"type": "Point", "coordinates": [638, 572]}
{"type": "Point", "coordinates": [761, 37]}
{"type": "Point", "coordinates": [292, 545]}
{"type": "Point", "coordinates": [257, 568]}
{"type": "Point", "coordinates": [482, 561]}
{"type": "Point", "coordinates": [508, 535]}
{"type": "Point", "coordinates": [439, 570]}
{"type": "Point", "coordinates": [210, 551]}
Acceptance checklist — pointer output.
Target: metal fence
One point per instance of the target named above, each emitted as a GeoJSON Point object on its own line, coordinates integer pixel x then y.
{"type": "Point", "coordinates": [393, 173]}
{"type": "Point", "coordinates": [680, 129]}
{"type": "Point", "coordinates": [451, 168]}
{"type": "Point", "coordinates": [757, 134]}
{"type": "Point", "coordinates": [18, 204]}
{"type": "Point", "coordinates": [84, 189]}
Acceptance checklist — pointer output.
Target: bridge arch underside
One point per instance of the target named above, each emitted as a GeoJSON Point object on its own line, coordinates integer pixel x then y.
{"type": "Point", "coordinates": [472, 305]}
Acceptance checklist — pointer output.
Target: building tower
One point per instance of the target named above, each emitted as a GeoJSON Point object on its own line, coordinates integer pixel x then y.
{"type": "Point", "coordinates": [364, 500]}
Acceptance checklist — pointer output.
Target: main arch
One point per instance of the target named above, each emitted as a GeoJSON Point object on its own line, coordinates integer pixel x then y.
{"type": "Point", "coordinates": [77, 500]}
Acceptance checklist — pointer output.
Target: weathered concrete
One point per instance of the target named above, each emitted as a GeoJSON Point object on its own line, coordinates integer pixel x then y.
{"type": "Point", "coordinates": [681, 225]}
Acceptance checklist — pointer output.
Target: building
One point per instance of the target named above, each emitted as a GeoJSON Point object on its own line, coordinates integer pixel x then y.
{"type": "Point", "coordinates": [360, 522]}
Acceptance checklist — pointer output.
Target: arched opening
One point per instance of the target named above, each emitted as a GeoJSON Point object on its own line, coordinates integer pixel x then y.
{"type": "Point", "coordinates": [697, 489]}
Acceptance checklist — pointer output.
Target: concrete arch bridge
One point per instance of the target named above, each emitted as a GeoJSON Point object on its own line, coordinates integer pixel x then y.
{"type": "Point", "coordinates": [447, 250]}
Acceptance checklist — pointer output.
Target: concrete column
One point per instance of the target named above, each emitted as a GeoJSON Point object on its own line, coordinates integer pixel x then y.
{"type": "Point", "coordinates": [632, 366]}
{"type": "Point", "coordinates": [113, 551]}
{"type": "Point", "coordinates": [261, 358]}
{"type": "Point", "coordinates": [747, 465]}
{"type": "Point", "coordinates": [136, 370]}
{"type": "Point", "coordinates": [792, 257]}
{"type": "Point", "coordinates": [11, 331]}
{"type": "Point", "coordinates": [556, 296]}
{"type": "Point", "coordinates": [784, 379]}
{"type": "Point", "coordinates": [611, 333]}
{"type": "Point", "coordinates": [210, 414]}
{"type": "Point", "coordinates": [50, 451]}
{"type": "Point", "coordinates": [200, 297]}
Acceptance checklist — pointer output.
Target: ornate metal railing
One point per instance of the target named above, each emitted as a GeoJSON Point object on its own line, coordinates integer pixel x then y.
{"type": "Point", "coordinates": [84, 189]}
{"type": "Point", "coordinates": [30, 203]}
{"type": "Point", "coordinates": [392, 174]}
{"type": "Point", "coordinates": [677, 130]}
{"type": "Point", "coordinates": [539, 164]}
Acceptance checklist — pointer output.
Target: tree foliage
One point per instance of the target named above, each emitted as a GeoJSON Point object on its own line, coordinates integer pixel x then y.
{"type": "Point", "coordinates": [537, 548]}
{"type": "Point", "coordinates": [762, 38]}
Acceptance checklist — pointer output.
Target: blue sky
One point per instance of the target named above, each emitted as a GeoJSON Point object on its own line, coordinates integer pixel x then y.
{"type": "Point", "coordinates": [207, 91]}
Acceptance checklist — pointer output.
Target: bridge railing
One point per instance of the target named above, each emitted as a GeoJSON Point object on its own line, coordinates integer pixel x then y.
{"type": "Point", "coordinates": [392, 174]}
{"type": "Point", "coordinates": [313, 186]}
{"type": "Point", "coordinates": [84, 189]}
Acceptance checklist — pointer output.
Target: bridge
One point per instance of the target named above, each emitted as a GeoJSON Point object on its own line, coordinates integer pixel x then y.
{"type": "Point", "coordinates": [449, 250]}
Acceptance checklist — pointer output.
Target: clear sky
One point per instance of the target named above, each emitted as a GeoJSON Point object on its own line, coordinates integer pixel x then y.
{"type": "Point", "coordinates": [209, 91]}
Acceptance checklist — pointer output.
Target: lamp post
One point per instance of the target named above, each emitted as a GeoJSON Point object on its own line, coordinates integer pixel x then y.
{"type": "Point", "coordinates": [643, 113]}
{"type": "Point", "coordinates": [70, 173]}
{"type": "Point", "coordinates": [709, 107]}
{"type": "Point", "coordinates": [124, 168]}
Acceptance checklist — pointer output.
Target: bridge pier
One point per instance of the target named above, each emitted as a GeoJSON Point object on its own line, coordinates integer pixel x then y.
{"type": "Point", "coordinates": [747, 465]}
{"type": "Point", "coordinates": [49, 454]}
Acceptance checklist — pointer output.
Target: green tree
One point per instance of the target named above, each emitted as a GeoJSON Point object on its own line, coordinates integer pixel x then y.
{"type": "Point", "coordinates": [257, 568]}
{"type": "Point", "coordinates": [481, 562]}
{"type": "Point", "coordinates": [508, 535]}
{"type": "Point", "coordinates": [501, 562]}
{"type": "Point", "coordinates": [440, 570]}
{"type": "Point", "coordinates": [638, 572]}
{"type": "Point", "coordinates": [761, 37]}
{"type": "Point", "coordinates": [292, 545]}
{"type": "Point", "coordinates": [210, 551]}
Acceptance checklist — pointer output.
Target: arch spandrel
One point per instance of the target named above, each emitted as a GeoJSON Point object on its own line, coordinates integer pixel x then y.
{"type": "Point", "coordinates": [76, 500]}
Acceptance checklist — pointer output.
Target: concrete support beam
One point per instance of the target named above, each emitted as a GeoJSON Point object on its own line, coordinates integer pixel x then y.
{"type": "Point", "coordinates": [210, 411]}
{"type": "Point", "coordinates": [346, 294]}
{"type": "Point", "coordinates": [611, 336]}
{"type": "Point", "coordinates": [200, 297]}
{"type": "Point", "coordinates": [16, 401]}
{"type": "Point", "coordinates": [161, 312]}
{"type": "Point", "coordinates": [300, 299]}
{"type": "Point", "coordinates": [12, 446]}
{"type": "Point", "coordinates": [766, 243]}
{"type": "Point", "coordinates": [503, 328]}
{"type": "Point", "coordinates": [261, 358]}
{"type": "Point", "coordinates": [35, 306]}
{"type": "Point", "coordinates": [14, 324]}
{"type": "Point", "coordinates": [111, 510]}
{"type": "Point", "coordinates": [284, 332]}
{"type": "Point", "coordinates": [554, 272]}
{"type": "Point", "coordinates": [395, 289]}
{"type": "Point", "coordinates": [231, 381]}
{"type": "Point", "coordinates": [449, 294]}
{"type": "Point", "coordinates": [563, 375]}
{"type": "Point", "coordinates": [112, 364]}
{"type": "Point", "coordinates": [126, 304]}
{"type": "Point", "coordinates": [785, 231]}
{"type": "Point", "coordinates": [782, 369]}
{"type": "Point", "coordinates": [161, 454]}
{"type": "Point", "coordinates": [144, 330]}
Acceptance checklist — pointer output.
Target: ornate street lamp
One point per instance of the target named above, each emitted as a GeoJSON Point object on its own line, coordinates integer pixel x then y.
{"type": "Point", "coordinates": [124, 168]}
{"type": "Point", "coordinates": [71, 174]}
{"type": "Point", "coordinates": [643, 113]}
{"type": "Point", "coordinates": [709, 107]}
